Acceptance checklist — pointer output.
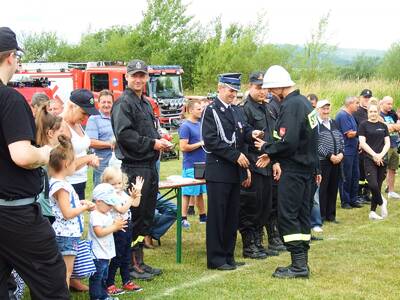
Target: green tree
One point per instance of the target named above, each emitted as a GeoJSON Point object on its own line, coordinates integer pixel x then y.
{"type": "Point", "coordinates": [42, 46]}
{"type": "Point", "coordinates": [362, 67]}
{"type": "Point", "coordinates": [390, 67]}
{"type": "Point", "coordinates": [316, 59]}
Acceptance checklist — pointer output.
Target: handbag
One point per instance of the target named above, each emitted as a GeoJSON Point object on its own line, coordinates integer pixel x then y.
{"type": "Point", "coordinates": [84, 265]}
{"type": "Point", "coordinates": [199, 170]}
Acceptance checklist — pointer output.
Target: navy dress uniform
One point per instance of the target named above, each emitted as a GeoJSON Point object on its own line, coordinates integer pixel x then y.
{"type": "Point", "coordinates": [224, 133]}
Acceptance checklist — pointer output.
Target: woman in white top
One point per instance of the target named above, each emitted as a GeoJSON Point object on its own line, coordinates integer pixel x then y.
{"type": "Point", "coordinates": [77, 110]}
{"type": "Point", "coordinates": [80, 106]}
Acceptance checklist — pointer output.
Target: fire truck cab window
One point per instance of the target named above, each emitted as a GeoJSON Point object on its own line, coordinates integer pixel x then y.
{"type": "Point", "coordinates": [99, 82]}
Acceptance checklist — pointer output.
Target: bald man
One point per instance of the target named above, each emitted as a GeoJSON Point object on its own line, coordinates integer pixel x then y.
{"type": "Point", "coordinates": [390, 118]}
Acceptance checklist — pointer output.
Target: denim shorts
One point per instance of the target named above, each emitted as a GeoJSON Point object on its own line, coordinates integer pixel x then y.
{"type": "Point", "coordinates": [194, 190]}
{"type": "Point", "coordinates": [68, 245]}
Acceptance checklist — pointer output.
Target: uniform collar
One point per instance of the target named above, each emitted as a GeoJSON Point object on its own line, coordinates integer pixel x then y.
{"type": "Point", "coordinates": [223, 103]}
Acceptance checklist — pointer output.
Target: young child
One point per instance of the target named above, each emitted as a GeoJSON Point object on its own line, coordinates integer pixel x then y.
{"type": "Point", "coordinates": [102, 225]}
{"type": "Point", "coordinates": [64, 202]}
{"type": "Point", "coordinates": [122, 239]}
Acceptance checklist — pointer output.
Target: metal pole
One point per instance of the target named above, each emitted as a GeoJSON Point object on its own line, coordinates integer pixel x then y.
{"type": "Point", "coordinates": [179, 225]}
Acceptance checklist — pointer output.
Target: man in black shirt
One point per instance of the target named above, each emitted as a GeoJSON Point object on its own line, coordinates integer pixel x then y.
{"type": "Point", "coordinates": [256, 200]}
{"type": "Point", "coordinates": [27, 241]}
{"type": "Point", "coordinates": [138, 146]}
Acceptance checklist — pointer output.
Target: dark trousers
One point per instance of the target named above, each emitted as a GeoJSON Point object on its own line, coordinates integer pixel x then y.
{"type": "Point", "coordinates": [222, 222]}
{"type": "Point", "coordinates": [294, 209]}
{"type": "Point", "coordinates": [97, 282]}
{"type": "Point", "coordinates": [122, 258]}
{"type": "Point", "coordinates": [348, 188]}
{"type": "Point", "coordinates": [80, 189]}
{"type": "Point", "coordinates": [142, 216]}
{"type": "Point", "coordinates": [375, 176]}
{"type": "Point", "coordinates": [255, 203]}
{"type": "Point", "coordinates": [28, 245]}
{"type": "Point", "coordinates": [164, 217]}
{"type": "Point", "coordinates": [328, 190]}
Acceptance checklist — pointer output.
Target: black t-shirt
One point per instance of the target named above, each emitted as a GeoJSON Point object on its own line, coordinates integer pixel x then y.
{"type": "Point", "coordinates": [16, 124]}
{"type": "Point", "coordinates": [360, 115]}
{"type": "Point", "coordinates": [374, 134]}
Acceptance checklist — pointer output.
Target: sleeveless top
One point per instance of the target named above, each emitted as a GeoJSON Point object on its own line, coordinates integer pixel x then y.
{"type": "Point", "coordinates": [81, 145]}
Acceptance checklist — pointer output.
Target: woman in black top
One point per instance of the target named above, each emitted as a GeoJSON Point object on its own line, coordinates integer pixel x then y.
{"type": "Point", "coordinates": [330, 153]}
{"type": "Point", "coordinates": [375, 142]}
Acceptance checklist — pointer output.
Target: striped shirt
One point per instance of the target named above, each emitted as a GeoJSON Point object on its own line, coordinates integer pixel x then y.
{"type": "Point", "coordinates": [330, 141]}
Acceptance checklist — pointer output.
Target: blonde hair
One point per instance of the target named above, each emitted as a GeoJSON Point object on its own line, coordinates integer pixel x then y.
{"type": "Point", "coordinates": [113, 172]}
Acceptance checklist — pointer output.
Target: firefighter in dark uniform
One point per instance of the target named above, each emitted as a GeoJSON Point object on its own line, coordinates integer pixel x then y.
{"type": "Point", "coordinates": [275, 242]}
{"type": "Point", "coordinates": [138, 145]}
{"type": "Point", "coordinates": [256, 200]}
{"type": "Point", "coordinates": [224, 132]}
{"type": "Point", "coordinates": [296, 150]}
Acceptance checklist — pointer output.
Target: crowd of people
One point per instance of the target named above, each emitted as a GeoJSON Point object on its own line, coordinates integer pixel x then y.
{"type": "Point", "coordinates": [274, 165]}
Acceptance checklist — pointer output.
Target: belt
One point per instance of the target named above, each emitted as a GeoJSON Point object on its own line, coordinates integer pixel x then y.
{"type": "Point", "coordinates": [18, 202]}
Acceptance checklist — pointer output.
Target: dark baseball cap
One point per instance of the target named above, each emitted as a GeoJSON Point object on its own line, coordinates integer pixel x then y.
{"type": "Point", "coordinates": [366, 93]}
{"type": "Point", "coordinates": [135, 66]}
{"type": "Point", "coordinates": [256, 78]}
{"type": "Point", "coordinates": [85, 100]}
{"type": "Point", "coordinates": [8, 40]}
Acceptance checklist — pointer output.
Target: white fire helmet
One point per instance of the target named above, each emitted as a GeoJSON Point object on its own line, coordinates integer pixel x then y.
{"type": "Point", "coordinates": [277, 77]}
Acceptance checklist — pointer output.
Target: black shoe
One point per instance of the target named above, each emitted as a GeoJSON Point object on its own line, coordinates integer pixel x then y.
{"type": "Point", "coordinates": [151, 270]}
{"type": "Point", "coordinates": [141, 275]}
{"type": "Point", "coordinates": [334, 221]}
{"type": "Point", "coordinates": [356, 204]}
{"type": "Point", "coordinates": [276, 245]}
{"type": "Point", "coordinates": [226, 267]}
{"type": "Point", "coordinates": [191, 211]}
{"type": "Point", "coordinates": [316, 238]}
{"type": "Point", "coordinates": [346, 206]}
{"type": "Point", "coordinates": [237, 264]}
{"type": "Point", "coordinates": [271, 252]}
{"type": "Point", "coordinates": [297, 269]}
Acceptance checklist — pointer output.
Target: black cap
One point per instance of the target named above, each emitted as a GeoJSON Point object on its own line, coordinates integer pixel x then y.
{"type": "Point", "coordinates": [85, 100]}
{"type": "Point", "coordinates": [257, 78]}
{"type": "Point", "coordinates": [366, 93]}
{"type": "Point", "coordinates": [8, 40]}
{"type": "Point", "coordinates": [230, 79]}
{"type": "Point", "coordinates": [135, 66]}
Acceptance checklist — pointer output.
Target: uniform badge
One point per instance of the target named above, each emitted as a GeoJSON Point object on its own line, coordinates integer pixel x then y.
{"type": "Point", "coordinates": [282, 131]}
{"type": "Point", "coordinates": [222, 109]}
{"type": "Point", "coordinates": [312, 119]}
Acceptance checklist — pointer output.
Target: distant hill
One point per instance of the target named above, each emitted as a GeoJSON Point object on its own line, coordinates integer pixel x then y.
{"type": "Point", "coordinates": [344, 56]}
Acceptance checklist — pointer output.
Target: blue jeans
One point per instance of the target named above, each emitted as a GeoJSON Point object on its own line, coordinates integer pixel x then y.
{"type": "Point", "coordinates": [164, 217]}
{"type": "Point", "coordinates": [348, 189]}
{"type": "Point", "coordinates": [315, 211]}
{"type": "Point", "coordinates": [97, 282]}
{"type": "Point", "coordinates": [122, 257]}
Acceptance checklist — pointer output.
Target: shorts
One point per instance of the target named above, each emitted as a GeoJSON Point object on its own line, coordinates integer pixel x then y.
{"type": "Point", "coordinates": [194, 190]}
{"type": "Point", "coordinates": [68, 245]}
{"type": "Point", "coordinates": [393, 159]}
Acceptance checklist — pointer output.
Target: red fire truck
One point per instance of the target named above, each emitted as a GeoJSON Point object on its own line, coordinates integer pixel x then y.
{"type": "Point", "coordinates": [164, 88]}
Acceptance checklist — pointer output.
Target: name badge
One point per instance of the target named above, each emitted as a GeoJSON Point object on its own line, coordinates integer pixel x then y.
{"type": "Point", "coordinates": [312, 119]}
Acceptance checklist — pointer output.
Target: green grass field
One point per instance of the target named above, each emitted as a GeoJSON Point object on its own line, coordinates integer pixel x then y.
{"type": "Point", "coordinates": [358, 259]}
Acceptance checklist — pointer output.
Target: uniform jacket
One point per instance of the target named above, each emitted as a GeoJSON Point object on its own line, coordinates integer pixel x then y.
{"type": "Point", "coordinates": [296, 142]}
{"type": "Point", "coordinates": [259, 117]}
{"type": "Point", "coordinates": [135, 129]}
{"type": "Point", "coordinates": [221, 162]}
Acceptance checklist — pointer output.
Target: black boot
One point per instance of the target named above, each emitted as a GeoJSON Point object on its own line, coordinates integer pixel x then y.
{"type": "Point", "coordinates": [258, 239]}
{"type": "Point", "coordinates": [136, 272]}
{"type": "Point", "coordinates": [143, 266]}
{"type": "Point", "coordinates": [298, 268]}
{"type": "Point", "coordinates": [249, 248]}
{"type": "Point", "coordinates": [274, 241]}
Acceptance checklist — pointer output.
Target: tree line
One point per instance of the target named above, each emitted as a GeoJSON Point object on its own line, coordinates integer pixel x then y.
{"type": "Point", "coordinates": [168, 35]}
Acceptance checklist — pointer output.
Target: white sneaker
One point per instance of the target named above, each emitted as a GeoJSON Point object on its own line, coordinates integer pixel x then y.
{"type": "Point", "coordinates": [394, 195]}
{"type": "Point", "coordinates": [374, 216]}
{"type": "Point", "coordinates": [317, 229]}
{"type": "Point", "coordinates": [185, 224]}
{"type": "Point", "coordinates": [384, 210]}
